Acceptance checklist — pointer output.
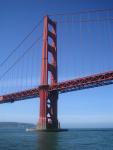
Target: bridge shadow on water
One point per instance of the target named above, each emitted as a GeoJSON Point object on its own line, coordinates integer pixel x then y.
{"type": "Point", "coordinates": [47, 141]}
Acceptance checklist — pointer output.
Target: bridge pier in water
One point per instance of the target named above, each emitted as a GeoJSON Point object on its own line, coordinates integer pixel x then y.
{"type": "Point", "coordinates": [48, 99]}
{"type": "Point", "coordinates": [48, 110]}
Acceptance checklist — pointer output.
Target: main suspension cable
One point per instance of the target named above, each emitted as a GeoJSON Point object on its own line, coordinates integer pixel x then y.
{"type": "Point", "coordinates": [20, 43]}
{"type": "Point", "coordinates": [18, 60]}
{"type": "Point", "coordinates": [82, 12]}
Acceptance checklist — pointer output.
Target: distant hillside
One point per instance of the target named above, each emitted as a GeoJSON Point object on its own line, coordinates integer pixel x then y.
{"type": "Point", "coordinates": [15, 124]}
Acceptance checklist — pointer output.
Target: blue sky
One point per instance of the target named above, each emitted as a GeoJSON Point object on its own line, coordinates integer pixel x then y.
{"type": "Point", "coordinates": [87, 108]}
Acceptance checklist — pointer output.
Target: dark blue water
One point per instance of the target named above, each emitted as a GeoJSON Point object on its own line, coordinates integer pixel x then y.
{"type": "Point", "coordinates": [15, 137]}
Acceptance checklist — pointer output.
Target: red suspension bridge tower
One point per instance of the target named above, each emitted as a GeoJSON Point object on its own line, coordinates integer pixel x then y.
{"type": "Point", "coordinates": [48, 100]}
{"type": "Point", "coordinates": [50, 87]}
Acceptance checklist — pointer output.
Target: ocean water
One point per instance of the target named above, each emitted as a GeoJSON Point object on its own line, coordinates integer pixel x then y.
{"type": "Point", "coordinates": [14, 137]}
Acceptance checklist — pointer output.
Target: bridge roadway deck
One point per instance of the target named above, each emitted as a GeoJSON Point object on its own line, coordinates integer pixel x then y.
{"type": "Point", "coordinates": [62, 87]}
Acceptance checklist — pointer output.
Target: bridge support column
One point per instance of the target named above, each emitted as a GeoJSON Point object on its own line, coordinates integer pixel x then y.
{"type": "Point", "coordinates": [48, 99]}
{"type": "Point", "coordinates": [48, 110]}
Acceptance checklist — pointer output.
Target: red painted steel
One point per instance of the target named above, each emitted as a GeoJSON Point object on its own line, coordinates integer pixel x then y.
{"type": "Point", "coordinates": [22, 95]}
{"type": "Point", "coordinates": [96, 80]}
{"type": "Point", "coordinates": [62, 87]}
{"type": "Point", "coordinates": [48, 100]}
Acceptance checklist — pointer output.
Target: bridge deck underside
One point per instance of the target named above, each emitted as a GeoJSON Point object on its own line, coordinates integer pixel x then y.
{"type": "Point", "coordinates": [62, 87]}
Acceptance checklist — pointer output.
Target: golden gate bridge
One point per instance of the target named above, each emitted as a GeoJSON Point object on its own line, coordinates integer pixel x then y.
{"type": "Point", "coordinates": [50, 87]}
